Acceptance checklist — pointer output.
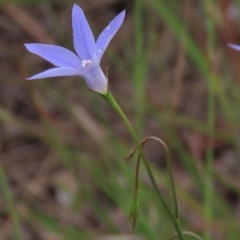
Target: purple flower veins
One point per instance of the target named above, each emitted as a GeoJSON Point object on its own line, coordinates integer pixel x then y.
{"type": "Point", "coordinates": [87, 63]}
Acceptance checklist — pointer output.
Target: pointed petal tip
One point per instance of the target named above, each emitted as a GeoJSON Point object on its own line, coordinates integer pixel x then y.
{"type": "Point", "coordinates": [75, 5]}
{"type": "Point", "coordinates": [123, 12]}
{"type": "Point", "coordinates": [30, 46]}
{"type": "Point", "coordinates": [26, 45]}
{"type": "Point", "coordinates": [30, 78]}
{"type": "Point", "coordinates": [33, 78]}
{"type": "Point", "coordinates": [233, 46]}
{"type": "Point", "coordinates": [121, 15]}
{"type": "Point", "coordinates": [76, 8]}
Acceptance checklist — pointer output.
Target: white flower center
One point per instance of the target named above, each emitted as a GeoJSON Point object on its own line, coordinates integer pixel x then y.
{"type": "Point", "coordinates": [86, 63]}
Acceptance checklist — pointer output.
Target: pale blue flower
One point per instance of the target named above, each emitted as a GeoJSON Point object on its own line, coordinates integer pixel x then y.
{"type": "Point", "coordinates": [87, 63]}
{"type": "Point", "coordinates": [233, 46]}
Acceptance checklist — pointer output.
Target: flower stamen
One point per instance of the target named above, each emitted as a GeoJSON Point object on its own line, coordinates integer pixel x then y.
{"type": "Point", "coordinates": [86, 63]}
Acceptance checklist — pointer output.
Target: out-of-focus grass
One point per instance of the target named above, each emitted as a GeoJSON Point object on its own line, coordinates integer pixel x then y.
{"type": "Point", "coordinates": [81, 187]}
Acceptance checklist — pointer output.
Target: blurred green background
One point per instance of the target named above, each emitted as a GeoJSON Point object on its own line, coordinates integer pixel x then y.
{"type": "Point", "coordinates": [62, 148]}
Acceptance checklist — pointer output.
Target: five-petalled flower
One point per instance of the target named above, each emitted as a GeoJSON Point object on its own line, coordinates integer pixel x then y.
{"type": "Point", "coordinates": [87, 63]}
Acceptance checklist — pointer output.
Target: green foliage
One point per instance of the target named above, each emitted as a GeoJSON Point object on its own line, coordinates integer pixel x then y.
{"type": "Point", "coordinates": [85, 143]}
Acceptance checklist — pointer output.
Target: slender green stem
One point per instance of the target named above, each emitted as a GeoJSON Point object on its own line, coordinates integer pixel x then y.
{"type": "Point", "coordinates": [110, 99]}
{"type": "Point", "coordinates": [137, 174]}
{"type": "Point", "coordinates": [133, 216]}
{"type": "Point", "coordinates": [169, 164]}
{"type": "Point", "coordinates": [10, 204]}
{"type": "Point", "coordinates": [208, 190]}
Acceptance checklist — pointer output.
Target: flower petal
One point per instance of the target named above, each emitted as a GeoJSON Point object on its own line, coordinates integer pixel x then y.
{"type": "Point", "coordinates": [59, 56]}
{"type": "Point", "coordinates": [84, 42]}
{"type": "Point", "coordinates": [96, 80]}
{"type": "Point", "coordinates": [236, 47]}
{"type": "Point", "coordinates": [56, 72]}
{"type": "Point", "coordinates": [108, 33]}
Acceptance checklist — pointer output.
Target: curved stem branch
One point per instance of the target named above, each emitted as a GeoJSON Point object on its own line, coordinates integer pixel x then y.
{"type": "Point", "coordinates": [169, 164]}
